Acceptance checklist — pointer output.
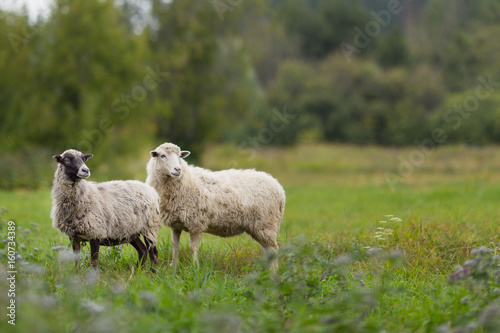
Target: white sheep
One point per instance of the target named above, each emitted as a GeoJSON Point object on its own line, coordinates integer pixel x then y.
{"type": "Point", "coordinates": [223, 203]}
{"type": "Point", "coordinates": [109, 213]}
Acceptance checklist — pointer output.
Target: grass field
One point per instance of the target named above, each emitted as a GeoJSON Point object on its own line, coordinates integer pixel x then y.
{"type": "Point", "coordinates": [344, 264]}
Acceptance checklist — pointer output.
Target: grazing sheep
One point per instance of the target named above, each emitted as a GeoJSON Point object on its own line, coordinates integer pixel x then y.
{"type": "Point", "coordinates": [107, 214]}
{"type": "Point", "coordinates": [223, 203]}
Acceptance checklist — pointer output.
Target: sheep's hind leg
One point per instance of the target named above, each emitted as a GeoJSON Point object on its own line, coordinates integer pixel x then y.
{"type": "Point", "coordinates": [269, 243]}
{"type": "Point", "coordinates": [176, 236]}
{"type": "Point", "coordinates": [76, 252]}
{"type": "Point", "coordinates": [94, 253]}
{"type": "Point", "coordinates": [195, 244]}
{"type": "Point", "coordinates": [153, 253]}
{"type": "Point", "coordinates": [141, 250]}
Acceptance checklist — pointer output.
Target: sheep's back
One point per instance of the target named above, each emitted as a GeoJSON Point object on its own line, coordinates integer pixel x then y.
{"type": "Point", "coordinates": [131, 206]}
{"type": "Point", "coordinates": [243, 196]}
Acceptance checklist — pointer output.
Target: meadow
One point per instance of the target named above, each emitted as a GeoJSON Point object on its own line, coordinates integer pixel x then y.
{"type": "Point", "coordinates": [357, 255]}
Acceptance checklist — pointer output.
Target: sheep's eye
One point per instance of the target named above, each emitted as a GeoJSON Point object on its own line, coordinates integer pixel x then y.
{"type": "Point", "coordinates": [163, 155]}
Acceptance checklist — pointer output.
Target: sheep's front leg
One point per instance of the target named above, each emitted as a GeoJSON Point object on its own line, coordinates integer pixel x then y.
{"type": "Point", "coordinates": [176, 236]}
{"type": "Point", "coordinates": [94, 253]}
{"type": "Point", "coordinates": [195, 244]}
{"type": "Point", "coordinates": [76, 252]}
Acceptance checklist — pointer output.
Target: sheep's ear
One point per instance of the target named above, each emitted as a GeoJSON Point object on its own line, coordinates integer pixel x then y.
{"type": "Point", "coordinates": [153, 153]}
{"type": "Point", "coordinates": [57, 158]}
{"type": "Point", "coordinates": [185, 153]}
{"type": "Point", "coordinates": [87, 156]}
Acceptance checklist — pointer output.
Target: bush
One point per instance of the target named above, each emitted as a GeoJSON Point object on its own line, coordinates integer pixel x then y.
{"type": "Point", "coordinates": [29, 168]}
{"type": "Point", "coordinates": [358, 102]}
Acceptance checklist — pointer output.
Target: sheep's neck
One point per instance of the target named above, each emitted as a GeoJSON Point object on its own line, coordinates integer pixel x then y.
{"type": "Point", "coordinates": [69, 190]}
{"type": "Point", "coordinates": [174, 186]}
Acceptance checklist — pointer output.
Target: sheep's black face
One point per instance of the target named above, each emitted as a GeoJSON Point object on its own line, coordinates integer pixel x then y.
{"type": "Point", "coordinates": [73, 164]}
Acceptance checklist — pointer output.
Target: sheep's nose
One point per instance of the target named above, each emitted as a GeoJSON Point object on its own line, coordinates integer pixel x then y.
{"type": "Point", "coordinates": [178, 170]}
{"type": "Point", "coordinates": [84, 172]}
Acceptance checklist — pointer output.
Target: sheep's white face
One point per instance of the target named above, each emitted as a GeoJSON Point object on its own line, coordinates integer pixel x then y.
{"type": "Point", "coordinates": [169, 161]}
{"type": "Point", "coordinates": [73, 163]}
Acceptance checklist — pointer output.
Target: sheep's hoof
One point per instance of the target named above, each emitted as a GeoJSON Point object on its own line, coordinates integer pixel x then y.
{"type": "Point", "coordinates": [153, 270]}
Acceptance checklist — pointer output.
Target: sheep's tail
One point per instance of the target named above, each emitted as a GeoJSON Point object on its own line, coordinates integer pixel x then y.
{"type": "Point", "coordinates": [153, 226]}
{"type": "Point", "coordinates": [282, 205]}
{"type": "Point", "coordinates": [282, 209]}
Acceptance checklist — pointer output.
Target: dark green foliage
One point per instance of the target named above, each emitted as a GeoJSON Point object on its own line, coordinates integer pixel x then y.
{"type": "Point", "coordinates": [360, 102]}
{"type": "Point", "coordinates": [117, 78]}
{"type": "Point", "coordinates": [26, 168]}
{"type": "Point", "coordinates": [481, 276]}
{"type": "Point", "coordinates": [203, 93]}
{"type": "Point", "coordinates": [322, 25]}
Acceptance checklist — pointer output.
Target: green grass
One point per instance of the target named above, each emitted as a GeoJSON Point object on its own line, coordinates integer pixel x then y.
{"type": "Point", "coordinates": [337, 196]}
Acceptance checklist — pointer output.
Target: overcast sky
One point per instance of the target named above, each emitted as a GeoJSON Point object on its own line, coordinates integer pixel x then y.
{"type": "Point", "coordinates": [34, 7]}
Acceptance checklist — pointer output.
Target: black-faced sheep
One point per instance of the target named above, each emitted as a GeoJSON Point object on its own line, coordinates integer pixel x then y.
{"type": "Point", "coordinates": [223, 203]}
{"type": "Point", "coordinates": [109, 213]}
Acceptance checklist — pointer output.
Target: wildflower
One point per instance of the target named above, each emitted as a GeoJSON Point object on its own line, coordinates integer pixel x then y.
{"type": "Point", "coordinates": [470, 263]}
{"type": "Point", "coordinates": [374, 250]}
{"type": "Point", "coordinates": [395, 255]}
{"type": "Point", "coordinates": [396, 219]}
{"type": "Point", "coordinates": [148, 298]}
{"type": "Point", "coordinates": [117, 288]}
{"type": "Point", "coordinates": [343, 260]}
{"type": "Point", "coordinates": [48, 301]}
{"type": "Point", "coordinates": [490, 315]}
{"type": "Point", "coordinates": [35, 249]}
{"type": "Point", "coordinates": [67, 256]}
{"type": "Point", "coordinates": [57, 248]}
{"type": "Point", "coordinates": [92, 276]}
{"type": "Point", "coordinates": [31, 268]}
{"type": "Point", "coordinates": [481, 251]}
{"type": "Point", "coordinates": [91, 306]}
{"type": "Point", "coordinates": [460, 273]}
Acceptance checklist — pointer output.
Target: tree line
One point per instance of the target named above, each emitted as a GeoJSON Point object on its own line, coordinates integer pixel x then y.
{"type": "Point", "coordinates": [114, 77]}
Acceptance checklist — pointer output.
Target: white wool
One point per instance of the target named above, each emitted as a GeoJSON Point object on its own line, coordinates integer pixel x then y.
{"type": "Point", "coordinates": [223, 203]}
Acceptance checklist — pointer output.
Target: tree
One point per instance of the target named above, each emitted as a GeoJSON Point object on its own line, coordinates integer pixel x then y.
{"type": "Point", "coordinates": [89, 64]}
{"type": "Point", "coordinates": [211, 81]}
{"type": "Point", "coordinates": [322, 25]}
